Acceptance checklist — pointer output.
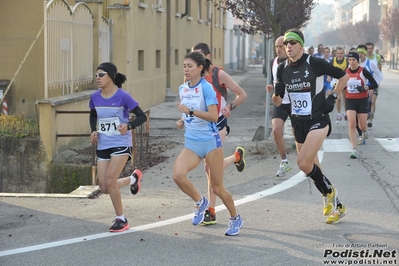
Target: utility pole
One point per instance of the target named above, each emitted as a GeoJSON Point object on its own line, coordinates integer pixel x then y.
{"type": "Point", "coordinates": [268, 58]}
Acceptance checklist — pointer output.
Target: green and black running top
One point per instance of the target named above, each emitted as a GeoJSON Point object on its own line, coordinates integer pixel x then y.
{"type": "Point", "coordinates": [303, 80]}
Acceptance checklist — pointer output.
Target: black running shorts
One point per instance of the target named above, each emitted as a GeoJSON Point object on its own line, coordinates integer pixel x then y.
{"type": "Point", "coordinates": [361, 106]}
{"type": "Point", "coordinates": [282, 111]}
{"type": "Point", "coordinates": [117, 151]}
{"type": "Point", "coordinates": [302, 128]}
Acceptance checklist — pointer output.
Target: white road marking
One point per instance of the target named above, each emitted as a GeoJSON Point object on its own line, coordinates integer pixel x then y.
{"type": "Point", "coordinates": [337, 145]}
{"type": "Point", "coordinates": [296, 179]}
{"type": "Point", "coordinates": [390, 144]}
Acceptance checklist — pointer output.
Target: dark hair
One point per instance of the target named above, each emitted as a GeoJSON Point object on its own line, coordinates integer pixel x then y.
{"type": "Point", "coordinates": [369, 43]}
{"type": "Point", "coordinates": [203, 47]}
{"type": "Point", "coordinates": [200, 60]}
{"type": "Point", "coordinates": [112, 71]}
{"type": "Point", "coordinates": [362, 46]}
{"type": "Point", "coordinates": [297, 31]}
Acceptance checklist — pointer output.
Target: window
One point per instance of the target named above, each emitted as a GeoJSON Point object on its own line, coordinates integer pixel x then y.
{"type": "Point", "coordinates": [142, 4]}
{"type": "Point", "coordinates": [176, 57]}
{"type": "Point", "coordinates": [221, 15]}
{"type": "Point", "coordinates": [140, 60]}
{"type": "Point", "coordinates": [158, 59]}
{"type": "Point", "coordinates": [200, 11]}
{"type": "Point", "coordinates": [177, 7]}
{"type": "Point", "coordinates": [208, 12]}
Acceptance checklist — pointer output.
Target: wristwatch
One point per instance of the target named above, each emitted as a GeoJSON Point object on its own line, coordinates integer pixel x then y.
{"type": "Point", "coordinates": [232, 106]}
{"type": "Point", "coordinates": [191, 113]}
{"type": "Point", "coordinates": [335, 95]}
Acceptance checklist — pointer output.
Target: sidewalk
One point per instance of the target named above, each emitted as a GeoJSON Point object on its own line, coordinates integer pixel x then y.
{"type": "Point", "coordinates": [168, 110]}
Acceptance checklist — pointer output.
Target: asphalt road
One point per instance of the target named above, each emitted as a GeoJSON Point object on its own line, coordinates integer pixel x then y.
{"type": "Point", "coordinates": [283, 221]}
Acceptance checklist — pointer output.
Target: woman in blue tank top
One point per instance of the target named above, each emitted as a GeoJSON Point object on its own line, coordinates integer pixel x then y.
{"type": "Point", "coordinates": [198, 106]}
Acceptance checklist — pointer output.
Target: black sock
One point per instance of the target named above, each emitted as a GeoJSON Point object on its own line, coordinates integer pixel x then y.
{"type": "Point", "coordinates": [321, 182]}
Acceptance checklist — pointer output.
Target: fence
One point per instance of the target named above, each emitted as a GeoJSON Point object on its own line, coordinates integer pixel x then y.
{"type": "Point", "coordinates": [69, 46]}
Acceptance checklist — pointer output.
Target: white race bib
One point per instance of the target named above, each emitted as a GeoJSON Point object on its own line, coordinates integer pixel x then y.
{"type": "Point", "coordinates": [301, 103]}
{"type": "Point", "coordinates": [108, 126]}
{"type": "Point", "coordinates": [352, 84]}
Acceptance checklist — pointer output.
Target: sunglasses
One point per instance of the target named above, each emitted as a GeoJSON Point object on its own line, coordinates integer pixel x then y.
{"type": "Point", "coordinates": [101, 74]}
{"type": "Point", "coordinates": [292, 42]}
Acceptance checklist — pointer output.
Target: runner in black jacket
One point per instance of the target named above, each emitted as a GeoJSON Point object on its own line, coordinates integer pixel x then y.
{"type": "Point", "coordinates": [302, 77]}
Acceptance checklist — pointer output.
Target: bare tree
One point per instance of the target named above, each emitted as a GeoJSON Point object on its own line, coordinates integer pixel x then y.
{"type": "Point", "coordinates": [361, 32]}
{"type": "Point", "coordinates": [390, 25]}
{"type": "Point", "coordinates": [269, 16]}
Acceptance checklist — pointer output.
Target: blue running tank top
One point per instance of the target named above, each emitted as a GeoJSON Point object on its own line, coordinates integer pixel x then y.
{"type": "Point", "coordinates": [198, 97]}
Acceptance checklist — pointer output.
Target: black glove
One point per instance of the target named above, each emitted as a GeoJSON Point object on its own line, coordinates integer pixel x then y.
{"type": "Point", "coordinates": [360, 88]}
{"type": "Point", "coordinates": [329, 104]}
{"type": "Point", "coordinates": [279, 90]}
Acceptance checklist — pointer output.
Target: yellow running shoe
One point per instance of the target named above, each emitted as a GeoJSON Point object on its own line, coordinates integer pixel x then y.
{"type": "Point", "coordinates": [336, 215]}
{"type": "Point", "coordinates": [330, 202]}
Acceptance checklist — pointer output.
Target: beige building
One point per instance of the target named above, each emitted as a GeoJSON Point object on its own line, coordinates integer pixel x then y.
{"type": "Point", "coordinates": [146, 39]}
{"type": "Point", "coordinates": [50, 51]}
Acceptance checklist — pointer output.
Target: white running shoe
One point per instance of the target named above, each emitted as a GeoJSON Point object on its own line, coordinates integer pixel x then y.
{"type": "Point", "coordinates": [283, 169]}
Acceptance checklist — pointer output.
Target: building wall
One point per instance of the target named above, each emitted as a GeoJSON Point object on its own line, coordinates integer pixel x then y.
{"type": "Point", "coordinates": [148, 42]}
{"type": "Point", "coordinates": [17, 33]}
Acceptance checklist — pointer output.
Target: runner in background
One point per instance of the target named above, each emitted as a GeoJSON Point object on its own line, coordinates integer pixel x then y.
{"type": "Point", "coordinates": [376, 59]}
{"type": "Point", "coordinates": [280, 113]}
{"type": "Point", "coordinates": [359, 83]}
{"type": "Point", "coordinates": [373, 69]}
{"type": "Point", "coordinates": [341, 62]}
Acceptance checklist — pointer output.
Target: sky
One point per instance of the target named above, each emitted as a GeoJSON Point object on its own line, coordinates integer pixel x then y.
{"type": "Point", "coordinates": [326, 2]}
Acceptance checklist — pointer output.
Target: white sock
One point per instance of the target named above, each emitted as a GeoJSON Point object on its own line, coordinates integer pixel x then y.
{"type": "Point", "coordinates": [121, 217]}
{"type": "Point", "coordinates": [284, 160]}
{"type": "Point", "coordinates": [132, 180]}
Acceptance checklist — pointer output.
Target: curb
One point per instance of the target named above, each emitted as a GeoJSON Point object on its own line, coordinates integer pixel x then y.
{"type": "Point", "coordinates": [82, 192]}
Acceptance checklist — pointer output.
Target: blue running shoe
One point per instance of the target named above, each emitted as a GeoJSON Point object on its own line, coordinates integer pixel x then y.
{"type": "Point", "coordinates": [235, 225]}
{"type": "Point", "coordinates": [199, 213]}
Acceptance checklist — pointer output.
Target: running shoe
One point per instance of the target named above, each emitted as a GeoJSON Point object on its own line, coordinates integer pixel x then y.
{"type": "Point", "coordinates": [240, 164]}
{"type": "Point", "coordinates": [336, 215]}
{"type": "Point", "coordinates": [354, 154]}
{"type": "Point", "coordinates": [209, 218]}
{"type": "Point", "coordinates": [199, 213]}
{"type": "Point", "coordinates": [135, 187]}
{"type": "Point", "coordinates": [369, 123]}
{"type": "Point", "coordinates": [339, 119]}
{"type": "Point", "coordinates": [284, 168]}
{"type": "Point", "coordinates": [365, 134]}
{"type": "Point", "coordinates": [119, 226]}
{"type": "Point", "coordinates": [361, 141]}
{"type": "Point", "coordinates": [371, 116]}
{"type": "Point", "coordinates": [330, 202]}
{"type": "Point", "coordinates": [235, 225]}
